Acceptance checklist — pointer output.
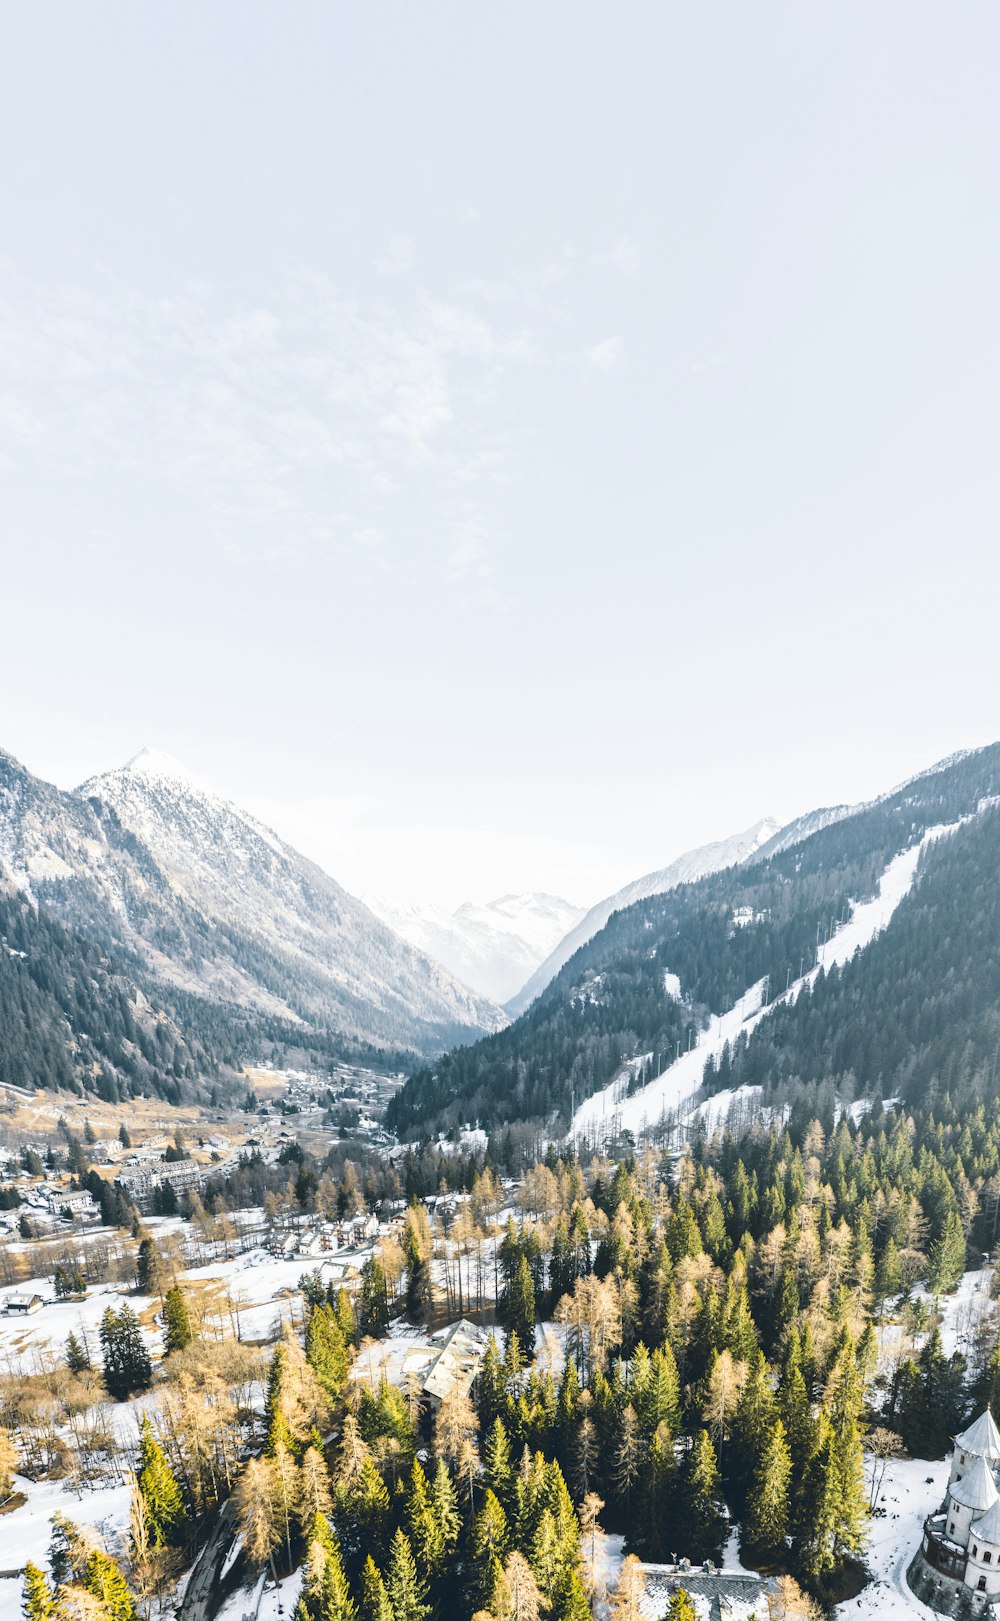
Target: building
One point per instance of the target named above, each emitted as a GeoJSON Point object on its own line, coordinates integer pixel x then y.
{"type": "Point", "coordinates": [958, 1565]}
{"type": "Point", "coordinates": [716, 1594]}
{"type": "Point", "coordinates": [142, 1183]}
{"type": "Point", "coordinates": [80, 1206]}
{"type": "Point", "coordinates": [458, 1356]}
{"type": "Point", "coordinates": [24, 1305]}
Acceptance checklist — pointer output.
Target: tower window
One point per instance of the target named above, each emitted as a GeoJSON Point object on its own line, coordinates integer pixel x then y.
{"type": "Point", "coordinates": [987, 1557]}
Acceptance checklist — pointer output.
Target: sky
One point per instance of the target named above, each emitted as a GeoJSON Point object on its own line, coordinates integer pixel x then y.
{"type": "Point", "coordinates": [503, 447]}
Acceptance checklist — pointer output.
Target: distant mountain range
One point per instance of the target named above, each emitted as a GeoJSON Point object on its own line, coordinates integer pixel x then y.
{"type": "Point", "coordinates": [684, 870]}
{"type": "Point", "coordinates": [493, 947]}
{"type": "Point", "coordinates": [196, 906]}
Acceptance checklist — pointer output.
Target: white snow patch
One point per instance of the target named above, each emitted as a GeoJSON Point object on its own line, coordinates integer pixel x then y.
{"type": "Point", "coordinates": [610, 1110]}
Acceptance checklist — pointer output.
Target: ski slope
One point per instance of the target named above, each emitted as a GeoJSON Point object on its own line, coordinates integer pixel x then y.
{"type": "Point", "coordinates": [611, 1110]}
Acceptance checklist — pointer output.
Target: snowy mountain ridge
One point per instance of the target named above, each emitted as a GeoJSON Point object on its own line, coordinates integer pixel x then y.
{"type": "Point", "coordinates": [492, 946]}
{"type": "Point", "coordinates": [214, 903]}
{"type": "Point", "coordinates": [685, 869]}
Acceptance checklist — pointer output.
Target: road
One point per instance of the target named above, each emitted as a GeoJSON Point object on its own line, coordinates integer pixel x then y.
{"type": "Point", "coordinates": [202, 1594]}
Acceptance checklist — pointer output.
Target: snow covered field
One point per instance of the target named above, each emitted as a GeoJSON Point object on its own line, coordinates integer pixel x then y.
{"type": "Point", "coordinates": [25, 1533]}
{"type": "Point", "coordinates": [610, 1110]}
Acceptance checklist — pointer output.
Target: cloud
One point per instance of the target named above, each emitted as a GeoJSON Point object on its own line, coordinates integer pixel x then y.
{"type": "Point", "coordinates": [398, 258]}
{"type": "Point", "coordinates": [608, 356]}
{"type": "Point", "coordinates": [269, 412]}
{"type": "Point", "coordinates": [623, 256]}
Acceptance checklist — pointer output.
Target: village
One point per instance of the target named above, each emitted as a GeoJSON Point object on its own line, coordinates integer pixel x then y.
{"type": "Point", "coordinates": [251, 1276]}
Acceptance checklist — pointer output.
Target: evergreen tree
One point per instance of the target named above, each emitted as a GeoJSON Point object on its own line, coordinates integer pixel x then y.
{"type": "Point", "coordinates": [39, 1602]}
{"type": "Point", "coordinates": [375, 1605]}
{"type": "Point", "coordinates": [766, 1525]}
{"type": "Point", "coordinates": [373, 1301]}
{"type": "Point", "coordinates": [103, 1578]}
{"type": "Point", "coordinates": [127, 1366]}
{"type": "Point", "coordinates": [326, 1352]}
{"type": "Point", "coordinates": [520, 1305]}
{"type": "Point", "coordinates": [406, 1589]}
{"type": "Point", "coordinates": [177, 1322]}
{"type": "Point", "coordinates": [497, 1461]}
{"type": "Point", "coordinates": [445, 1504]}
{"type": "Point", "coordinates": [947, 1256]}
{"type": "Point", "coordinates": [489, 1545]}
{"type": "Point", "coordinates": [162, 1501]}
{"type": "Point", "coordinates": [77, 1356]}
{"type": "Point", "coordinates": [701, 1502]}
{"type": "Point", "coordinates": [423, 1529]}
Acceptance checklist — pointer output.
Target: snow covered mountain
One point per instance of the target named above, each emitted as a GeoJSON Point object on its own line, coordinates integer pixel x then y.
{"type": "Point", "coordinates": [686, 869]}
{"type": "Point", "coordinates": [213, 903]}
{"type": "Point", "coordinates": [493, 947]}
{"type": "Point", "coordinates": [855, 952]}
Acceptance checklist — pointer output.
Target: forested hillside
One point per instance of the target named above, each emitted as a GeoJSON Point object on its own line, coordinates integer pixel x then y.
{"type": "Point", "coordinates": [719, 937]}
{"type": "Point", "coordinates": [918, 1013]}
{"type": "Point", "coordinates": [74, 1016]}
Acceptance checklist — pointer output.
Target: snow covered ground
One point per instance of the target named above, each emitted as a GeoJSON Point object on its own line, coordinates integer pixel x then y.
{"type": "Point", "coordinates": [25, 1533]}
{"type": "Point", "coordinates": [912, 1489]}
{"type": "Point", "coordinates": [263, 1602]}
{"type": "Point", "coordinates": [611, 1110]}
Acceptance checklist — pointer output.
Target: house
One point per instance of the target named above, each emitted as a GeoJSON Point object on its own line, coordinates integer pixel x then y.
{"type": "Point", "coordinates": [958, 1565]}
{"type": "Point", "coordinates": [458, 1356]}
{"type": "Point", "coordinates": [717, 1595]}
{"type": "Point", "coordinates": [80, 1206]}
{"type": "Point", "coordinates": [24, 1305]}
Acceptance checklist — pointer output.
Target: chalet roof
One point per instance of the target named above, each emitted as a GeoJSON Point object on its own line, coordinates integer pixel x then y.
{"type": "Point", "coordinates": [987, 1529]}
{"type": "Point", "coordinates": [981, 1438]}
{"type": "Point", "coordinates": [977, 1488]}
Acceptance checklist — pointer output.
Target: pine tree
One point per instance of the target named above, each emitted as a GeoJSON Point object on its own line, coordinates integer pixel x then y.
{"type": "Point", "coordinates": [422, 1527]}
{"type": "Point", "coordinates": [373, 1301]}
{"type": "Point", "coordinates": [946, 1261]}
{"type": "Point", "coordinates": [445, 1502]}
{"type": "Point", "coordinates": [162, 1501]}
{"type": "Point", "coordinates": [127, 1366]}
{"type": "Point", "coordinates": [177, 1322]}
{"type": "Point", "coordinates": [324, 1595]}
{"type": "Point", "coordinates": [375, 1605]}
{"type": "Point", "coordinates": [77, 1357]}
{"type": "Point", "coordinates": [39, 1601]}
{"type": "Point", "coordinates": [326, 1352]}
{"type": "Point", "coordinates": [103, 1577]}
{"type": "Point", "coordinates": [489, 1544]}
{"type": "Point", "coordinates": [520, 1305]}
{"type": "Point", "coordinates": [766, 1525]}
{"type": "Point", "coordinates": [497, 1461]}
{"type": "Point", "coordinates": [701, 1503]}
{"type": "Point", "coordinates": [407, 1591]}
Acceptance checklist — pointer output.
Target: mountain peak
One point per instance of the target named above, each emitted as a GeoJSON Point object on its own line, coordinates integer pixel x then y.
{"type": "Point", "coordinates": [155, 763]}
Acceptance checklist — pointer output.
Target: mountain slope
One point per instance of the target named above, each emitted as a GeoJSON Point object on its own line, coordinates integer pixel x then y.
{"type": "Point", "coordinates": [685, 869]}
{"type": "Point", "coordinates": [493, 947]}
{"type": "Point", "coordinates": [213, 905]}
{"type": "Point", "coordinates": [643, 989]}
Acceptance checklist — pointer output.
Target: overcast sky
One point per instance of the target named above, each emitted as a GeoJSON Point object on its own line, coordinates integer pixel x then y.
{"type": "Point", "coordinates": [504, 446]}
